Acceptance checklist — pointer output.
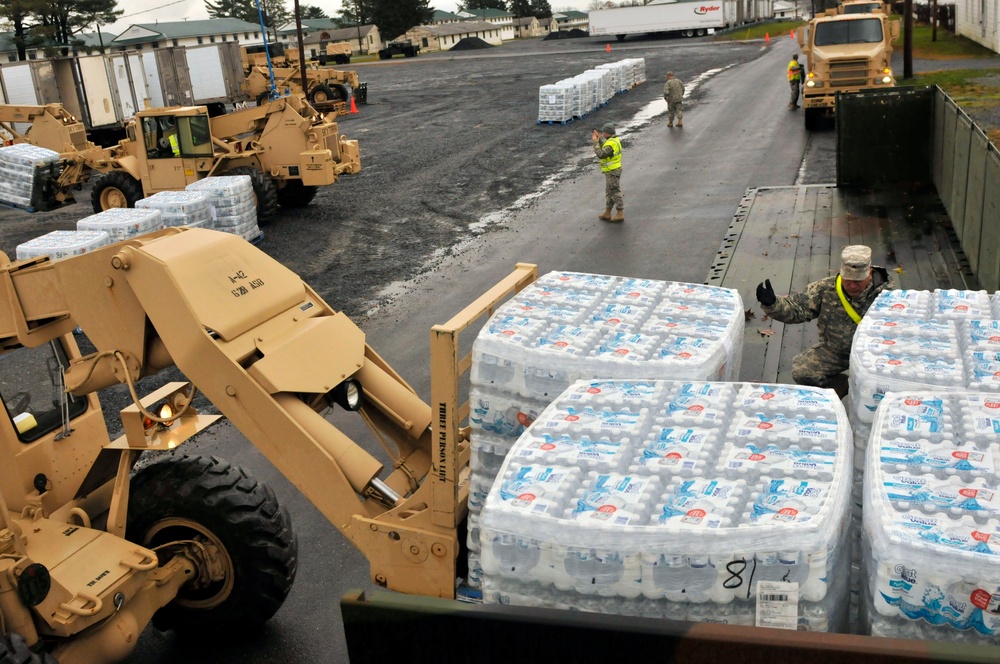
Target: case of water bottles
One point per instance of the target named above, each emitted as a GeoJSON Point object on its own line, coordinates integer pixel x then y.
{"type": "Point", "coordinates": [181, 208]}
{"type": "Point", "coordinates": [62, 244]}
{"type": "Point", "coordinates": [22, 169]}
{"type": "Point", "coordinates": [946, 339]}
{"type": "Point", "coordinates": [233, 204]}
{"type": "Point", "coordinates": [675, 493]}
{"type": "Point", "coordinates": [123, 223]}
{"type": "Point", "coordinates": [568, 326]}
{"type": "Point", "coordinates": [932, 517]}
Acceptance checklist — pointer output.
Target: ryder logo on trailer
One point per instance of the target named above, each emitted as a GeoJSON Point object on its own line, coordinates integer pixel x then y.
{"type": "Point", "coordinates": [707, 9]}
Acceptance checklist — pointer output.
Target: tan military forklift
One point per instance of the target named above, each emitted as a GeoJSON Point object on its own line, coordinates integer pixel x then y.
{"type": "Point", "coordinates": [286, 147]}
{"type": "Point", "coordinates": [93, 546]}
{"type": "Point", "coordinates": [326, 87]}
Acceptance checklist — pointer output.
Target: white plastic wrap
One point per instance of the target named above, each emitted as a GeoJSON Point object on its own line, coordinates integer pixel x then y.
{"type": "Point", "coordinates": [123, 223]}
{"type": "Point", "coordinates": [932, 517]}
{"type": "Point", "coordinates": [233, 206]}
{"type": "Point", "coordinates": [181, 208]}
{"type": "Point", "coordinates": [62, 244]}
{"type": "Point", "coordinates": [18, 166]}
{"type": "Point", "coordinates": [678, 493]}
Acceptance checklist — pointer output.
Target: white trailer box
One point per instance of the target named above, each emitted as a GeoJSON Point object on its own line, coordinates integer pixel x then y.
{"type": "Point", "coordinates": [209, 74]}
{"type": "Point", "coordinates": [689, 18]}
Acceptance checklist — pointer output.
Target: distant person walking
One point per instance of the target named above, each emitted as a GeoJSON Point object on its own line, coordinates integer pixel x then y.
{"type": "Point", "coordinates": [794, 80]}
{"type": "Point", "coordinates": [608, 149]}
{"type": "Point", "coordinates": [673, 94]}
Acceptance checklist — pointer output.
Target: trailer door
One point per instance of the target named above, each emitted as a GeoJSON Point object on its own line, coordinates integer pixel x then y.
{"type": "Point", "coordinates": [96, 86]}
{"type": "Point", "coordinates": [155, 88]}
{"type": "Point", "coordinates": [205, 68]}
{"type": "Point", "coordinates": [19, 87]}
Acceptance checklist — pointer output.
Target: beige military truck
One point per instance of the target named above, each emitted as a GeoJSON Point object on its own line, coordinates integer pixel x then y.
{"type": "Point", "coordinates": [862, 7]}
{"type": "Point", "coordinates": [844, 53]}
{"type": "Point", "coordinates": [93, 548]}
{"type": "Point", "coordinates": [338, 52]}
{"type": "Point", "coordinates": [286, 147]}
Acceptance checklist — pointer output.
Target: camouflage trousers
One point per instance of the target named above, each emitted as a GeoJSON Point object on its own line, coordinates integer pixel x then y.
{"type": "Point", "coordinates": [794, 85]}
{"type": "Point", "coordinates": [818, 366]}
{"type": "Point", "coordinates": [613, 189]}
{"type": "Point", "coordinates": [675, 108]}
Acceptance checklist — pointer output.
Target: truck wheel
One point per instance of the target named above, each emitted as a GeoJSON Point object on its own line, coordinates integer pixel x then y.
{"type": "Point", "coordinates": [14, 650]}
{"type": "Point", "coordinates": [343, 59]}
{"type": "Point", "coordinates": [296, 195]}
{"type": "Point", "coordinates": [409, 53]}
{"type": "Point", "coordinates": [321, 94]}
{"type": "Point", "coordinates": [264, 190]}
{"type": "Point", "coordinates": [812, 118]}
{"type": "Point", "coordinates": [116, 189]}
{"type": "Point", "coordinates": [384, 54]}
{"type": "Point", "coordinates": [182, 498]}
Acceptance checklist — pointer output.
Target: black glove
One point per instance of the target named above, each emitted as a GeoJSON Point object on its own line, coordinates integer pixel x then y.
{"type": "Point", "coordinates": [765, 294]}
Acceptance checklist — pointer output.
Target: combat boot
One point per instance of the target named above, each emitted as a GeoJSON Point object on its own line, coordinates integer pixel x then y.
{"type": "Point", "coordinates": [680, 123]}
{"type": "Point", "coordinates": [605, 216]}
{"type": "Point", "coordinates": [619, 216]}
{"type": "Point", "coordinates": [670, 124]}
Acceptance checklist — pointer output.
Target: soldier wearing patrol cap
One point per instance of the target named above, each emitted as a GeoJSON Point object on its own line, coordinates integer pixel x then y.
{"type": "Point", "coordinates": [836, 304]}
{"type": "Point", "coordinates": [608, 149]}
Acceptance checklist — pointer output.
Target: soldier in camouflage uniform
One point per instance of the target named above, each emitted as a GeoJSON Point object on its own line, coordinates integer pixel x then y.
{"type": "Point", "coordinates": [673, 94]}
{"type": "Point", "coordinates": [608, 149]}
{"type": "Point", "coordinates": [837, 304]}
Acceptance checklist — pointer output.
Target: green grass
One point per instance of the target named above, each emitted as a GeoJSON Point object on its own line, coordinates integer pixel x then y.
{"type": "Point", "coordinates": [758, 31]}
{"type": "Point", "coordinates": [947, 46]}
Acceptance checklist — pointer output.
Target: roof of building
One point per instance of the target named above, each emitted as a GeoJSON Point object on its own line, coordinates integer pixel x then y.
{"type": "Point", "coordinates": [310, 25]}
{"type": "Point", "coordinates": [138, 33]}
{"type": "Point", "coordinates": [485, 13]}
{"type": "Point", "coordinates": [90, 39]}
{"type": "Point", "coordinates": [525, 20]}
{"type": "Point", "coordinates": [569, 13]}
{"type": "Point", "coordinates": [462, 28]}
{"type": "Point", "coordinates": [445, 16]}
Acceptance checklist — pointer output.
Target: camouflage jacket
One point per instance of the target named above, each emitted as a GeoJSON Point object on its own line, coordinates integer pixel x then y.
{"type": "Point", "coordinates": [673, 90]}
{"type": "Point", "coordinates": [820, 302]}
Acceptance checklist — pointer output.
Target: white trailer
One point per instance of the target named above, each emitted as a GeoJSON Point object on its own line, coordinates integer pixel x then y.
{"type": "Point", "coordinates": [690, 18]}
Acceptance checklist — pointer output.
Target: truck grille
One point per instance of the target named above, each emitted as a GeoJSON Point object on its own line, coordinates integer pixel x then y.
{"type": "Point", "coordinates": [848, 73]}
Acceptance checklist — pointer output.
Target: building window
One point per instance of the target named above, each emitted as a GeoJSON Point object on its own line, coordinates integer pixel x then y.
{"type": "Point", "coordinates": [211, 39]}
{"type": "Point", "coordinates": [246, 35]}
{"type": "Point", "coordinates": [138, 47]}
{"type": "Point", "coordinates": [155, 44]}
{"type": "Point", "coordinates": [223, 38]}
{"type": "Point", "coordinates": [201, 40]}
{"type": "Point", "coordinates": [32, 55]}
{"type": "Point", "coordinates": [256, 35]}
{"type": "Point", "coordinates": [174, 42]}
{"type": "Point", "coordinates": [12, 57]}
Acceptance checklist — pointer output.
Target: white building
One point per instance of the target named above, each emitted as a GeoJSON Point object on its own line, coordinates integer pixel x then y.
{"type": "Point", "coordinates": [979, 20]}
{"type": "Point", "coordinates": [444, 37]}
{"type": "Point", "coordinates": [498, 17]}
{"type": "Point", "coordinates": [140, 36]}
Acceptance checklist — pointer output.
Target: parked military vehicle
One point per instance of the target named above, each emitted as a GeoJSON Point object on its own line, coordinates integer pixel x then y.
{"type": "Point", "coordinates": [287, 148]}
{"type": "Point", "coordinates": [403, 47]}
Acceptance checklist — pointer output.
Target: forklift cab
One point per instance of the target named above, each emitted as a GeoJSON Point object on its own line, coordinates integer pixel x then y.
{"type": "Point", "coordinates": [170, 136]}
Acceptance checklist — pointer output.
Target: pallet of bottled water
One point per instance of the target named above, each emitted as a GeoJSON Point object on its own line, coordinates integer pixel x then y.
{"type": "Point", "coordinates": [569, 326]}
{"type": "Point", "coordinates": [180, 208]}
{"type": "Point", "coordinates": [23, 170]}
{"type": "Point", "coordinates": [638, 73]}
{"type": "Point", "coordinates": [63, 244]}
{"type": "Point", "coordinates": [671, 494]}
{"type": "Point", "coordinates": [619, 74]}
{"type": "Point", "coordinates": [555, 102]}
{"type": "Point", "coordinates": [932, 518]}
{"type": "Point", "coordinates": [233, 204]}
{"type": "Point", "coordinates": [947, 339]}
{"type": "Point", "coordinates": [123, 223]}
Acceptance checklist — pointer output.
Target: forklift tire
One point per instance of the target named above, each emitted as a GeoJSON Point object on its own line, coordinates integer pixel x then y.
{"type": "Point", "coordinates": [264, 190]}
{"type": "Point", "coordinates": [296, 195]}
{"type": "Point", "coordinates": [14, 650]}
{"type": "Point", "coordinates": [116, 189]}
{"type": "Point", "coordinates": [206, 499]}
{"type": "Point", "coordinates": [321, 94]}
{"type": "Point", "coordinates": [262, 98]}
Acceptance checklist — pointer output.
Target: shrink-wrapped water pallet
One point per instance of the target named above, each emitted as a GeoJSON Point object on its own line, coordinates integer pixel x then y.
{"type": "Point", "coordinates": [62, 244]}
{"type": "Point", "coordinates": [233, 203]}
{"type": "Point", "coordinates": [122, 223]}
{"type": "Point", "coordinates": [932, 518]}
{"type": "Point", "coordinates": [181, 208]}
{"type": "Point", "coordinates": [25, 171]}
{"type": "Point", "coordinates": [701, 501]}
{"type": "Point", "coordinates": [555, 102]}
{"type": "Point", "coordinates": [569, 326]}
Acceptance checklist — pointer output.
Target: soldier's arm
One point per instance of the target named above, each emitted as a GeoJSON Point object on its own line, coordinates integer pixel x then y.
{"type": "Point", "coordinates": [797, 307]}
{"type": "Point", "coordinates": [602, 152]}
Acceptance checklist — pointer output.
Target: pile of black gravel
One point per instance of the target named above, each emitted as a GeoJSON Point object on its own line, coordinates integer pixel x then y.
{"type": "Point", "coordinates": [566, 34]}
{"type": "Point", "coordinates": [470, 44]}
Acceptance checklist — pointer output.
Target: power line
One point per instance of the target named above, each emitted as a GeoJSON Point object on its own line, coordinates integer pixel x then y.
{"type": "Point", "coordinates": [151, 9]}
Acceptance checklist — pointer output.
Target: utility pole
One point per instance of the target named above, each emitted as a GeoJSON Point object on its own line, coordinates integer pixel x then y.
{"type": "Point", "coordinates": [908, 39]}
{"type": "Point", "coordinates": [302, 50]}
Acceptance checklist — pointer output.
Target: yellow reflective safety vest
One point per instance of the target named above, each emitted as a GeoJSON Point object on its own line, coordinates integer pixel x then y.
{"type": "Point", "coordinates": [794, 70]}
{"type": "Point", "coordinates": [174, 147]}
{"type": "Point", "coordinates": [614, 161]}
{"type": "Point", "coordinates": [855, 316]}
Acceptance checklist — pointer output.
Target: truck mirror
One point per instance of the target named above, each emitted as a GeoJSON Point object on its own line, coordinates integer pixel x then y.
{"type": "Point", "coordinates": [895, 29]}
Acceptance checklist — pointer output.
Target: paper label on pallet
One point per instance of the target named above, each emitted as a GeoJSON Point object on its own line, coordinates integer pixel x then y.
{"type": "Point", "coordinates": [777, 604]}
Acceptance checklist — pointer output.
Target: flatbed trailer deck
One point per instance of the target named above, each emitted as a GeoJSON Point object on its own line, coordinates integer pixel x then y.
{"type": "Point", "coordinates": [794, 235]}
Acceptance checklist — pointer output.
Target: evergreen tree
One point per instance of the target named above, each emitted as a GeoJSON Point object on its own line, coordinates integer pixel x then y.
{"type": "Point", "coordinates": [540, 8]}
{"type": "Point", "coordinates": [60, 20]}
{"type": "Point", "coordinates": [311, 11]}
{"type": "Point", "coordinates": [274, 11]}
{"type": "Point", "coordinates": [473, 5]}
{"type": "Point", "coordinates": [354, 12]}
{"type": "Point", "coordinates": [520, 8]}
{"type": "Point", "coordinates": [394, 17]}
{"type": "Point", "coordinates": [20, 16]}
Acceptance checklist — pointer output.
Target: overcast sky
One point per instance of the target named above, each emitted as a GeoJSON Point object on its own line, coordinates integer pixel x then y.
{"type": "Point", "coordinates": [151, 11]}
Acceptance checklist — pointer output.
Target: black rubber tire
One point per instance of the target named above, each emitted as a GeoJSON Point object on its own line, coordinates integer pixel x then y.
{"type": "Point", "coordinates": [321, 94]}
{"type": "Point", "coordinates": [342, 59]}
{"type": "Point", "coordinates": [296, 195]}
{"type": "Point", "coordinates": [114, 188]}
{"type": "Point", "coordinates": [409, 53]}
{"type": "Point", "coordinates": [265, 189]}
{"type": "Point", "coordinates": [384, 55]}
{"type": "Point", "coordinates": [245, 518]}
{"type": "Point", "coordinates": [14, 650]}
{"type": "Point", "coordinates": [216, 109]}
{"type": "Point", "coordinates": [620, 38]}
{"type": "Point", "coordinates": [812, 118]}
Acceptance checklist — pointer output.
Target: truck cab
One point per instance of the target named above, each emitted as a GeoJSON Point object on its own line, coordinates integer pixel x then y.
{"type": "Point", "coordinates": [863, 7]}
{"type": "Point", "coordinates": [845, 53]}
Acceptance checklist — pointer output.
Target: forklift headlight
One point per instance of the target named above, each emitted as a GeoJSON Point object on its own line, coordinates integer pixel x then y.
{"type": "Point", "coordinates": [347, 395]}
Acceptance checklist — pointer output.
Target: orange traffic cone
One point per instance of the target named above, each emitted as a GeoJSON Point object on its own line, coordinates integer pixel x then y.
{"type": "Point", "coordinates": [793, 34]}
{"type": "Point", "coordinates": [767, 37]}
{"type": "Point", "coordinates": [354, 107]}
{"type": "Point", "coordinates": [607, 49]}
